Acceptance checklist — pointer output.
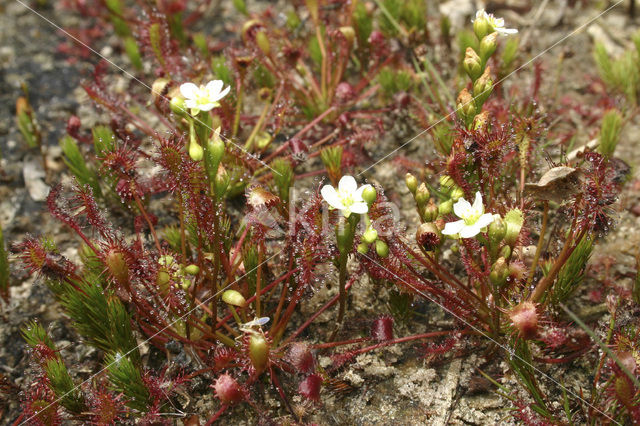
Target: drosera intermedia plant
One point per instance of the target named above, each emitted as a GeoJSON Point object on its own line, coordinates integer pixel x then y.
{"type": "Point", "coordinates": [216, 252]}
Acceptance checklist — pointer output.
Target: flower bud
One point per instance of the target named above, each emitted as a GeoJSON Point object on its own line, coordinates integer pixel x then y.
{"type": "Point", "coordinates": [445, 207]}
{"type": "Point", "coordinates": [221, 182]}
{"type": "Point", "coordinates": [382, 249]}
{"type": "Point", "coordinates": [499, 272]}
{"type": "Point", "coordinates": [263, 42]}
{"type": "Point", "coordinates": [428, 236]}
{"type": "Point", "coordinates": [422, 195]}
{"type": "Point", "coordinates": [411, 182]}
{"type": "Point", "coordinates": [524, 318]}
{"type": "Point", "coordinates": [348, 33]}
{"type": "Point", "coordinates": [195, 150]}
{"type": "Point", "coordinates": [457, 193]}
{"type": "Point", "coordinates": [258, 351]}
{"type": "Point", "coordinates": [192, 269]}
{"type": "Point", "coordinates": [370, 235]}
{"type": "Point", "coordinates": [369, 194]}
{"type": "Point", "coordinates": [228, 390]}
{"type": "Point", "coordinates": [505, 252]}
{"type": "Point", "coordinates": [213, 153]}
{"type": "Point", "coordinates": [497, 230]}
{"type": "Point", "coordinates": [488, 45]}
{"type": "Point", "coordinates": [514, 221]}
{"type": "Point", "coordinates": [480, 121]}
{"type": "Point", "coordinates": [177, 105]}
{"type": "Point", "coordinates": [481, 27]}
{"type": "Point", "coordinates": [465, 105]}
{"type": "Point", "coordinates": [447, 183]}
{"type": "Point", "coordinates": [363, 248]}
{"type": "Point", "coordinates": [483, 87]}
{"type": "Point", "coordinates": [430, 212]}
{"type": "Point", "coordinates": [472, 64]}
{"type": "Point", "coordinates": [234, 298]}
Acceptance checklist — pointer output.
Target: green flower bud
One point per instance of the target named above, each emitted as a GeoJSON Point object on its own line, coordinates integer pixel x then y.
{"type": "Point", "coordinates": [213, 153]}
{"type": "Point", "coordinates": [422, 195]}
{"type": "Point", "coordinates": [221, 182]}
{"type": "Point", "coordinates": [195, 150]}
{"type": "Point", "coordinates": [370, 235]}
{"type": "Point", "coordinates": [382, 249]}
{"type": "Point", "coordinates": [483, 87]}
{"type": "Point", "coordinates": [447, 183]}
{"type": "Point", "coordinates": [177, 105]}
{"type": "Point", "coordinates": [499, 272]}
{"type": "Point", "coordinates": [514, 221]}
{"type": "Point", "coordinates": [445, 207]}
{"type": "Point", "coordinates": [497, 230]}
{"type": "Point", "coordinates": [481, 27]}
{"type": "Point", "coordinates": [457, 193]}
{"type": "Point", "coordinates": [430, 212]}
{"type": "Point", "coordinates": [258, 352]}
{"type": "Point", "coordinates": [363, 248]}
{"type": "Point", "coordinates": [465, 106]}
{"type": "Point", "coordinates": [505, 252]}
{"type": "Point", "coordinates": [369, 195]}
{"type": "Point", "coordinates": [488, 45]}
{"type": "Point", "coordinates": [472, 64]}
{"type": "Point", "coordinates": [263, 42]}
{"type": "Point", "coordinates": [233, 298]}
{"type": "Point", "coordinates": [192, 269]}
{"type": "Point", "coordinates": [348, 33]}
{"type": "Point", "coordinates": [411, 182]}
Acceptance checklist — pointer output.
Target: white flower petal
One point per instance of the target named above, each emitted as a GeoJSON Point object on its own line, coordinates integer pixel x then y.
{"type": "Point", "coordinates": [507, 31]}
{"type": "Point", "coordinates": [360, 208]}
{"type": "Point", "coordinates": [484, 220]}
{"type": "Point", "coordinates": [470, 231]}
{"type": "Point", "coordinates": [347, 184]}
{"type": "Point", "coordinates": [477, 203]}
{"type": "Point", "coordinates": [209, 106]}
{"type": "Point", "coordinates": [214, 87]}
{"type": "Point", "coordinates": [222, 94]}
{"type": "Point", "coordinates": [461, 207]}
{"type": "Point", "coordinates": [330, 195]}
{"type": "Point", "coordinates": [453, 228]}
{"type": "Point", "coordinates": [189, 91]}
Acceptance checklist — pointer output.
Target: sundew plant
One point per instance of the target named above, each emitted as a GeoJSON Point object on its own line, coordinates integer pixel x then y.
{"type": "Point", "coordinates": [228, 205]}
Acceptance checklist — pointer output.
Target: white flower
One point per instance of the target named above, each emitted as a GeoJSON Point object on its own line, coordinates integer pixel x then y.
{"type": "Point", "coordinates": [203, 98]}
{"type": "Point", "coordinates": [496, 24]}
{"type": "Point", "coordinates": [474, 219]}
{"type": "Point", "coordinates": [347, 198]}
